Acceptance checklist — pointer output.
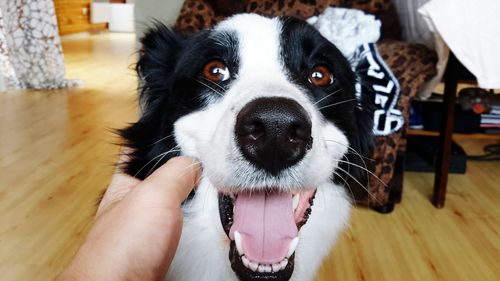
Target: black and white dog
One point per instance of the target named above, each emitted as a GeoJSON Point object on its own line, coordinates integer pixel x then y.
{"type": "Point", "coordinates": [268, 107]}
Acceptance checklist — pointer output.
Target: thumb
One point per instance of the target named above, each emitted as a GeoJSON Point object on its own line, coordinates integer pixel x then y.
{"type": "Point", "coordinates": [174, 179]}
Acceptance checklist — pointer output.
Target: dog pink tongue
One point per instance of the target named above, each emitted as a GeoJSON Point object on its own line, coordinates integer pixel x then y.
{"type": "Point", "coordinates": [266, 224]}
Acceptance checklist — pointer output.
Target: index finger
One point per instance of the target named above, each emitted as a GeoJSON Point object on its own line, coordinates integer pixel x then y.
{"type": "Point", "coordinates": [175, 179]}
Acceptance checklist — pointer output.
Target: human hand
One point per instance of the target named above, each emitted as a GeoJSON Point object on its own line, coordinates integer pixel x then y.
{"type": "Point", "coordinates": [137, 227]}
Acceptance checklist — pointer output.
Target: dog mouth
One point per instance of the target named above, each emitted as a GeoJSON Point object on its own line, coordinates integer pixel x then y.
{"type": "Point", "coordinates": [263, 227]}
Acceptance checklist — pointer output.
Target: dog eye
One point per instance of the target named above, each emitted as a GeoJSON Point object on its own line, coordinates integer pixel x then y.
{"type": "Point", "coordinates": [216, 71]}
{"type": "Point", "coordinates": [320, 76]}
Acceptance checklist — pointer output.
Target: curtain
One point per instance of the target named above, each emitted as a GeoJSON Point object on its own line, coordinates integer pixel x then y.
{"type": "Point", "coordinates": [416, 30]}
{"type": "Point", "coordinates": [30, 47]}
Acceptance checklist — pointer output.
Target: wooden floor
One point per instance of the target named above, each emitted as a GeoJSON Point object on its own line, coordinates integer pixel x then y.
{"type": "Point", "coordinates": [57, 152]}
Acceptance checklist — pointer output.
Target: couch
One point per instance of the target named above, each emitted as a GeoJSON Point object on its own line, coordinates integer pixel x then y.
{"type": "Point", "coordinates": [412, 64]}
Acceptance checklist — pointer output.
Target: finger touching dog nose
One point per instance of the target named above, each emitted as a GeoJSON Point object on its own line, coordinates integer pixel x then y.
{"type": "Point", "coordinates": [273, 133]}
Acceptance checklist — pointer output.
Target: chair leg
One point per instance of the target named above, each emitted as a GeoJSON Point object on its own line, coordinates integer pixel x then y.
{"type": "Point", "coordinates": [445, 136]}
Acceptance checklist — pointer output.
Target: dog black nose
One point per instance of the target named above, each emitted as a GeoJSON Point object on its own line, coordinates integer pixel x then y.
{"type": "Point", "coordinates": [273, 133]}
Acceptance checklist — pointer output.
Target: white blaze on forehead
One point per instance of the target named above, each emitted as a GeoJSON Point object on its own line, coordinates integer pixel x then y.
{"type": "Point", "coordinates": [259, 44]}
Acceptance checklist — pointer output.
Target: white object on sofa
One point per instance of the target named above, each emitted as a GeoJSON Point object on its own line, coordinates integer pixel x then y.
{"type": "Point", "coordinates": [347, 28]}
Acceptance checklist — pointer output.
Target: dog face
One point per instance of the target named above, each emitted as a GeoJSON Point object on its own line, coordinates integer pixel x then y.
{"type": "Point", "coordinates": [268, 107]}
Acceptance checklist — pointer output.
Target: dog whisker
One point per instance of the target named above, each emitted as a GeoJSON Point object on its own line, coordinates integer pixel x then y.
{"type": "Point", "coordinates": [362, 186]}
{"type": "Point", "coordinates": [347, 185]}
{"type": "Point", "coordinates": [337, 103]}
{"type": "Point", "coordinates": [209, 87]}
{"type": "Point", "coordinates": [364, 163]}
{"type": "Point", "coordinates": [171, 135]}
{"type": "Point", "coordinates": [337, 91]}
{"type": "Point", "coordinates": [159, 155]}
{"type": "Point", "coordinates": [159, 160]}
{"type": "Point", "coordinates": [360, 156]}
{"type": "Point", "coordinates": [351, 149]}
{"type": "Point", "coordinates": [362, 168]}
{"type": "Point", "coordinates": [215, 84]}
{"type": "Point", "coordinates": [365, 169]}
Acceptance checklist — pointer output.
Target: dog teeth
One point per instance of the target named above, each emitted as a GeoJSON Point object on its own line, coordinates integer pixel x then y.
{"type": "Point", "coordinates": [295, 201]}
{"type": "Point", "coordinates": [276, 267]}
{"type": "Point", "coordinates": [264, 268]}
{"type": "Point", "coordinates": [237, 241]}
{"type": "Point", "coordinates": [283, 263]}
{"type": "Point", "coordinates": [245, 261]}
{"type": "Point", "coordinates": [293, 246]}
{"type": "Point", "coordinates": [253, 266]}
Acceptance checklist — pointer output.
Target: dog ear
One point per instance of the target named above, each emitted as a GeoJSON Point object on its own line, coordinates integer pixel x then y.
{"type": "Point", "coordinates": [158, 55]}
{"type": "Point", "coordinates": [155, 68]}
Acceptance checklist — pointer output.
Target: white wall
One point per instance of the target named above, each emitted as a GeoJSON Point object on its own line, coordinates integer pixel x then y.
{"type": "Point", "coordinates": [148, 10]}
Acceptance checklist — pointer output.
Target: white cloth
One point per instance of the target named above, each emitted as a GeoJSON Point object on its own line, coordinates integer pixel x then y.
{"type": "Point", "coordinates": [347, 28]}
{"type": "Point", "coordinates": [413, 25]}
{"type": "Point", "coordinates": [416, 30]}
{"type": "Point", "coordinates": [471, 29]}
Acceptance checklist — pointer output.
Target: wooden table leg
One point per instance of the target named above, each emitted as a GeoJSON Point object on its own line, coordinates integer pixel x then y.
{"type": "Point", "coordinates": [445, 136]}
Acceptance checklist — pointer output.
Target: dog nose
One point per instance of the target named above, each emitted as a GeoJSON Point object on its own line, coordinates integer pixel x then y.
{"type": "Point", "coordinates": [273, 133]}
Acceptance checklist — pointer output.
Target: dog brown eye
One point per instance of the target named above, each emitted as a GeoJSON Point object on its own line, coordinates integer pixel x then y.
{"type": "Point", "coordinates": [320, 76]}
{"type": "Point", "coordinates": [216, 71]}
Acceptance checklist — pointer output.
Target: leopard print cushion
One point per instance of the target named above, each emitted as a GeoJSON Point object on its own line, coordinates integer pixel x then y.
{"type": "Point", "coordinates": [302, 9]}
{"type": "Point", "coordinates": [384, 157]}
{"type": "Point", "coordinates": [196, 15]}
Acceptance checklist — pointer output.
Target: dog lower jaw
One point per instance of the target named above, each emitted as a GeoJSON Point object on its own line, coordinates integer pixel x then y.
{"type": "Point", "coordinates": [245, 273]}
{"type": "Point", "coordinates": [246, 268]}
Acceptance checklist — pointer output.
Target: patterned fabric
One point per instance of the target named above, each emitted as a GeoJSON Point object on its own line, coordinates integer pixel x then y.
{"type": "Point", "coordinates": [411, 64]}
{"type": "Point", "coordinates": [376, 80]}
{"type": "Point", "coordinates": [30, 47]}
{"type": "Point", "coordinates": [196, 15]}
